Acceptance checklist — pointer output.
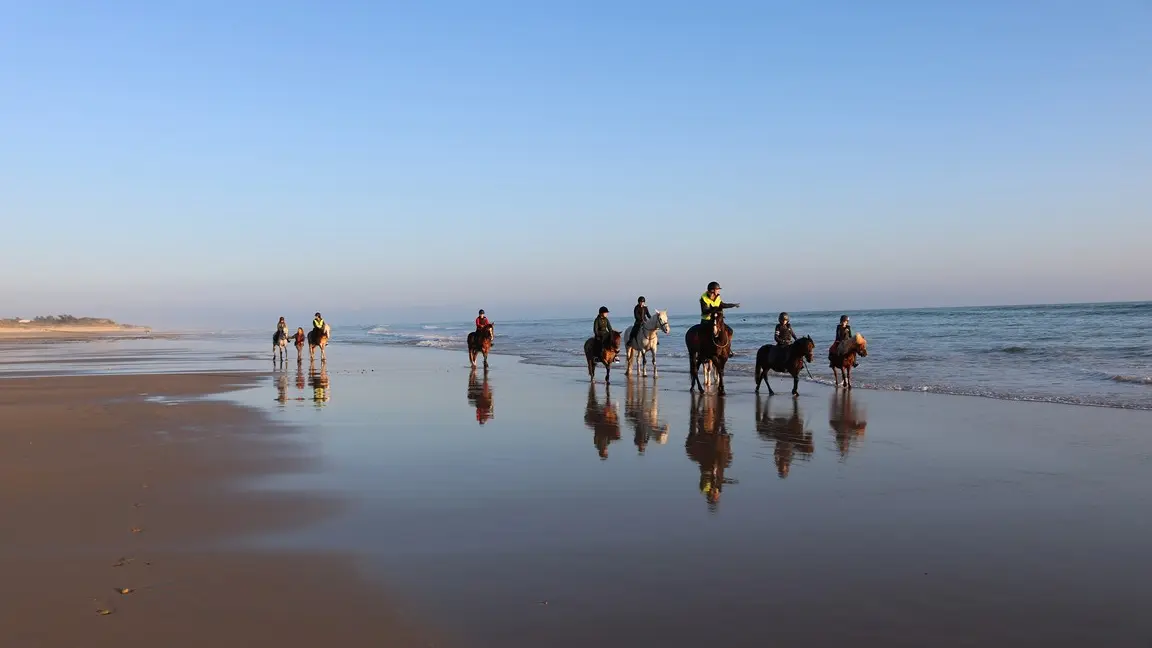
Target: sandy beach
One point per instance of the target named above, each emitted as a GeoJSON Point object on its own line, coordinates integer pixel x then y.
{"type": "Point", "coordinates": [392, 495]}
{"type": "Point", "coordinates": [111, 482]}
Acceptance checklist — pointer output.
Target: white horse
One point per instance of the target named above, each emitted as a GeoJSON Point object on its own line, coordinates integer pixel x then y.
{"type": "Point", "coordinates": [646, 341]}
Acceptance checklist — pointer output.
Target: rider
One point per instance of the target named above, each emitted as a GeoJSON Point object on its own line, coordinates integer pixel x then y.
{"type": "Point", "coordinates": [481, 322]}
{"type": "Point", "coordinates": [601, 328]}
{"type": "Point", "coordinates": [710, 305]}
{"type": "Point", "coordinates": [282, 328]}
{"type": "Point", "coordinates": [843, 332]}
{"type": "Point", "coordinates": [784, 334]}
{"type": "Point", "coordinates": [318, 324]}
{"type": "Point", "coordinates": [640, 314]}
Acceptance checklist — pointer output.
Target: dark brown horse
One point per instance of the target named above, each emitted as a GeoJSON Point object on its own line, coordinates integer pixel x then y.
{"type": "Point", "coordinates": [603, 353]}
{"type": "Point", "coordinates": [787, 359]}
{"type": "Point", "coordinates": [708, 344]}
{"type": "Point", "coordinates": [709, 445]}
{"type": "Point", "coordinates": [480, 342]}
{"type": "Point", "coordinates": [842, 355]}
{"type": "Point", "coordinates": [791, 439]}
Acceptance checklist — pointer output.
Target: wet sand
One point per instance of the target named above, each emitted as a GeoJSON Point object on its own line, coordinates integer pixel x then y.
{"type": "Point", "coordinates": [113, 482]}
{"type": "Point", "coordinates": [524, 507]}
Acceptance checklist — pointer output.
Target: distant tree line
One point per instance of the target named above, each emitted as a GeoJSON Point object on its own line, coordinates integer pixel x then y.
{"type": "Point", "coordinates": [70, 320]}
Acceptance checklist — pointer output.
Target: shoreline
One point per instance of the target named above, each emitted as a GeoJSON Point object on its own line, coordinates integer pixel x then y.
{"type": "Point", "coordinates": [135, 481]}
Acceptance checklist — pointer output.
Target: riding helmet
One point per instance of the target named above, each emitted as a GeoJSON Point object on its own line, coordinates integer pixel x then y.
{"type": "Point", "coordinates": [843, 318]}
{"type": "Point", "coordinates": [714, 284]}
{"type": "Point", "coordinates": [783, 316]}
{"type": "Point", "coordinates": [481, 311]}
{"type": "Point", "coordinates": [603, 309]}
{"type": "Point", "coordinates": [641, 300]}
{"type": "Point", "coordinates": [317, 314]}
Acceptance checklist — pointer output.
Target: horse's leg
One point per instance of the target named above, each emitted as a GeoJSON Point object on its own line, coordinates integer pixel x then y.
{"type": "Point", "coordinates": [653, 352]}
{"type": "Point", "coordinates": [628, 361]}
{"type": "Point", "coordinates": [720, 375]}
{"type": "Point", "coordinates": [692, 371]}
{"type": "Point", "coordinates": [485, 358]}
{"type": "Point", "coordinates": [591, 369]}
{"type": "Point", "coordinates": [607, 372]}
{"type": "Point", "coordinates": [848, 375]}
{"type": "Point", "coordinates": [768, 383]}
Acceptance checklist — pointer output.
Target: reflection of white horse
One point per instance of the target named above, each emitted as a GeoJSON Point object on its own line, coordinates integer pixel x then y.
{"type": "Point", "coordinates": [641, 411]}
{"type": "Point", "coordinates": [646, 341]}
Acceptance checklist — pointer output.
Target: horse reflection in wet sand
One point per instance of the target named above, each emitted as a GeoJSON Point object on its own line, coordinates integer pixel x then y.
{"type": "Point", "coordinates": [480, 396]}
{"type": "Point", "coordinates": [847, 421]}
{"type": "Point", "coordinates": [602, 419]}
{"type": "Point", "coordinates": [709, 445]}
{"type": "Point", "coordinates": [318, 381]}
{"type": "Point", "coordinates": [792, 440]}
{"type": "Point", "coordinates": [641, 412]}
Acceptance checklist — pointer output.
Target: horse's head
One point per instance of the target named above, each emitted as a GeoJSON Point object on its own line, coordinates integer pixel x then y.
{"type": "Point", "coordinates": [806, 345]}
{"type": "Point", "coordinates": [327, 330]}
{"type": "Point", "coordinates": [861, 345]}
{"type": "Point", "coordinates": [662, 322]}
{"type": "Point", "coordinates": [719, 330]}
{"type": "Point", "coordinates": [489, 331]}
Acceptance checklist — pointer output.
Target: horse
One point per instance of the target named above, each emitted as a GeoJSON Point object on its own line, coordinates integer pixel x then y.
{"type": "Point", "coordinates": [319, 339]}
{"type": "Point", "coordinates": [842, 355]}
{"type": "Point", "coordinates": [709, 445]}
{"type": "Point", "coordinates": [595, 352]}
{"type": "Point", "coordinates": [279, 344]}
{"type": "Point", "coordinates": [642, 413]}
{"type": "Point", "coordinates": [602, 419]}
{"type": "Point", "coordinates": [480, 342]}
{"type": "Point", "coordinates": [708, 344]}
{"type": "Point", "coordinates": [646, 341]}
{"type": "Point", "coordinates": [847, 420]}
{"type": "Point", "coordinates": [792, 440]}
{"type": "Point", "coordinates": [480, 396]}
{"type": "Point", "coordinates": [789, 359]}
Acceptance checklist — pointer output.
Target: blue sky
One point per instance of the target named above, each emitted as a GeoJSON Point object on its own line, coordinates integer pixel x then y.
{"type": "Point", "coordinates": [184, 162]}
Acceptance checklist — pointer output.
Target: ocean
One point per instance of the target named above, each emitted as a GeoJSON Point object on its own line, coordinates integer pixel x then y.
{"type": "Point", "coordinates": [1081, 354]}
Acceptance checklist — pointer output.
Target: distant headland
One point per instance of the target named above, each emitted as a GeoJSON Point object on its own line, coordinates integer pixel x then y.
{"type": "Point", "coordinates": [54, 325]}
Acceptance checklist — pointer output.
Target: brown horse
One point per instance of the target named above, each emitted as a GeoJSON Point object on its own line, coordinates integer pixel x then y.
{"type": "Point", "coordinates": [318, 339]}
{"type": "Point", "coordinates": [480, 396]}
{"type": "Point", "coordinates": [787, 359]}
{"type": "Point", "coordinates": [708, 344]}
{"type": "Point", "coordinates": [602, 419]}
{"type": "Point", "coordinates": [595, 352]}
{"type": "Point", "coordinates": [842, 355]}
{"type": "Point", "coordinates": [480, 342]}
{"type": "Point", "coordinates": [847, 420]}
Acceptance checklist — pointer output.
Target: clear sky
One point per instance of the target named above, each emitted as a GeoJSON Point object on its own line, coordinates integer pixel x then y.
{"type": "Point", "coordinates": [192, 162]}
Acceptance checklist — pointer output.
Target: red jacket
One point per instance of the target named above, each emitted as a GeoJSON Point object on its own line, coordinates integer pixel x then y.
{"type": "Point", "coordinates": [482, 321]}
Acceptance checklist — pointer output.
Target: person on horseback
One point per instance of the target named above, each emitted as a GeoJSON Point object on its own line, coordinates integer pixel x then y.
{"type": "Point", "coordinates": [282, 329]}
{"type": "Point", "coordinates": [784, 334]}
{"type": "Point", "coordinates": [318, 324]}
{"type": "Point", "coordinates": [640, 314]}
{"type": "Point", "coordinates": [710, 305]}
{"type": "Point", "coordinates": [602, 328]}
{"type": "Point", "coordinates": [481, 322]}
{"type": "Point", "coordinates": [843, 332]}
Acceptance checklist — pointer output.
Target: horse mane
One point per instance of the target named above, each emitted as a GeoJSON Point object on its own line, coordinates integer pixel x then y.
{"type": "Point", "coordinates": [860, 341]}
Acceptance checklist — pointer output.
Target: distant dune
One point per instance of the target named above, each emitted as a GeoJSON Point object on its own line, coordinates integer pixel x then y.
{"type": "Point", "coordinates": [55, 325]}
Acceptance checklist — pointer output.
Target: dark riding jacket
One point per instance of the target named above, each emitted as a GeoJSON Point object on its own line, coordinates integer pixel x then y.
{"type": "Point", "coordinates": [601, 328]}
{"type": "Point", "coordinates": [843, 333]}
{"type": "Point", "coordinates": [785, 334]}
{"type": "Point", "coordinates": [640, 312]}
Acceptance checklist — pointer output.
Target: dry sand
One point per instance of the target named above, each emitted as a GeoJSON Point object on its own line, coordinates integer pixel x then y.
{"type": "Point", "coordinates": [102, 488]}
